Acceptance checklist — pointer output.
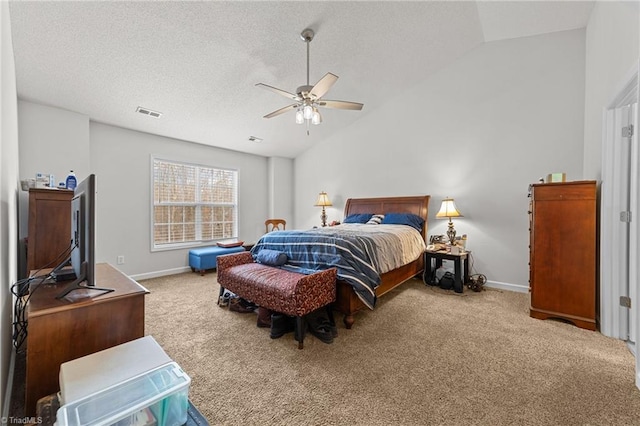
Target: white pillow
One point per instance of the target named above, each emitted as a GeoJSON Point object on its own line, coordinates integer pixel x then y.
{"type": "Point", "coordinates": [376, 219]}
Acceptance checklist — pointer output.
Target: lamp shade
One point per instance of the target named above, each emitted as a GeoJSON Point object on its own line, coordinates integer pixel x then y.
{"type": "Point", "coordinates": [448, 209]}
{"type": "Point", "coordinates": [323, 200]}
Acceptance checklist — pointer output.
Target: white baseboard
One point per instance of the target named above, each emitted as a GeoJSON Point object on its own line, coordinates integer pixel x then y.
{"type": "Point", "coordinates": [163, 273]}
{"type": "Point", "coordinates": [8, 390]}
{"type": "Point", "coordinates": [491, 284]}
{"type": "Point", "coordinates": [508, 286]}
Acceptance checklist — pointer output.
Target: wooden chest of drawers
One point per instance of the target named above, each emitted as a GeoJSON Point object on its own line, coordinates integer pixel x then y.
{"type": "Point", "coordinates": [563, 252]}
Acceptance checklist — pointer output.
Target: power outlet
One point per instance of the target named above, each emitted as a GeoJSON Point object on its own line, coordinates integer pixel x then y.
{"type": "Point", "coordinates": [120, 260]}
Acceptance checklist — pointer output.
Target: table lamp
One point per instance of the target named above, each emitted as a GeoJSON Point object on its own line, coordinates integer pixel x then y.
{"type": "Point", "coordinates": [323, 201]}
{"type": "Point", "coordinates": [448, 210]}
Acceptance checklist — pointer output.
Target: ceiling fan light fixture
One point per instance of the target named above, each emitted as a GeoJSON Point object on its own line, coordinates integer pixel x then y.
{"type": "Point", "coordinates": [307, 112]}
{"type": "Point", "coordinates": [308, 98]}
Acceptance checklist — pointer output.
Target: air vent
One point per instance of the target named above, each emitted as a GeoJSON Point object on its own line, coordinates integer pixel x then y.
{"type": "Point", "coordinates": [255, 139]}
{"type": "Point", "coordinates": [147, 111]}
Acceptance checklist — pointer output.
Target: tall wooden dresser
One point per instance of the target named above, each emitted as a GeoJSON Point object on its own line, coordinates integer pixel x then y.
{"type": "Point", "coordinates": [563, 252]}
{"type": "Point", "coordinates": [49, 227]}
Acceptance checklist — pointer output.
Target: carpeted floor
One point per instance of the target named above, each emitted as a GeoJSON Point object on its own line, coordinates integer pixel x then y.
{"type": "Point", "coordinates": [424, 356]}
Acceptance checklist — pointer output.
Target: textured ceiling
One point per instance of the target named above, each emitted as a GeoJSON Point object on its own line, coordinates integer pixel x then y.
{"type": "Point", "coordinates": [198, 62]}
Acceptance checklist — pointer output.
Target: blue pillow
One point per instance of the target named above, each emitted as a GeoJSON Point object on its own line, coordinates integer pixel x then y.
{"type": "Point", "coordinates": [409, 219]}
{"type": "Point", "coordinates": [271, 257]}
{"type": "Point", "coordinates": [358, 218]}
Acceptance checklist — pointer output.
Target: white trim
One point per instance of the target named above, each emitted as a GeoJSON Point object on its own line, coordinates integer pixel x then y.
{"type": "Point", "coordinates": [615, 321]}
{"type": "Point", "coordinates": [9, 388]}
{"type": "Point", "coordinates": [163, 273]}
{"type": "Point", "coordinates": [633, 241]}
{"type": "Point", "coordinates": [627, 90]}
{"type": "Point", "coordinates": [518, 288]}
{"type": "Point", "coordinates": [613, 318]}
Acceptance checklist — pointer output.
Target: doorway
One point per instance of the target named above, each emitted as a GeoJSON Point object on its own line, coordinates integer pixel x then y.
{"type": "Point", "coordinates": [619, 201]}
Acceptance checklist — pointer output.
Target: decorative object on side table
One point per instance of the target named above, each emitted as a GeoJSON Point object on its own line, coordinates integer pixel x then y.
{"type": "Point", "coordinates": [448, 210]}
{"type": "Point", "coordinates": [323, 201]}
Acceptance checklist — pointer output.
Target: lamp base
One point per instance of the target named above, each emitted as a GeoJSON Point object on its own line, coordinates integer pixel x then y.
{"type": "Point", "coordinates": [323, 217]}
{"type": "Point", "coordinates": [451, 233]}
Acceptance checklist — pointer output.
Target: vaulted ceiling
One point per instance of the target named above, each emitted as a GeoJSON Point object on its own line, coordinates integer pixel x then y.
{"type": "Point", "coordinates": [198, 62]}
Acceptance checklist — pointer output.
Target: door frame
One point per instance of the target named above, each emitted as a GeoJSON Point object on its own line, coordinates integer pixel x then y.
{"type": "Point", "coordinates": [614, 318]}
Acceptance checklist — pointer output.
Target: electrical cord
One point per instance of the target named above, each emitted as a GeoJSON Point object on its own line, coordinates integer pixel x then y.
{"type": "Point", "coordinates": [477, 280]}
{"type": "Point", "coordinates": [22, 292]}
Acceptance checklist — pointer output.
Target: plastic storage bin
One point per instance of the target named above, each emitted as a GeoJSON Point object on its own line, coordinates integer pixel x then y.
{"type": "Point", "coordinates": [159, 397]}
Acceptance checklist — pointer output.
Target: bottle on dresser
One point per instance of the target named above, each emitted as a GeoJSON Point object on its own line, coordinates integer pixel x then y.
{"type": "Point", "coordinates": [71, 181]}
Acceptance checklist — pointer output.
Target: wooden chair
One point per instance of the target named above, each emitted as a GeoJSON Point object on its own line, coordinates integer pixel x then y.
{"type": "Point", "coordinates": [275, 224]}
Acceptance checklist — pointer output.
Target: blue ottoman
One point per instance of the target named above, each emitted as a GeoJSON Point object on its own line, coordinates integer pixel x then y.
{"type": "Point", "coordinates": [204, 258]}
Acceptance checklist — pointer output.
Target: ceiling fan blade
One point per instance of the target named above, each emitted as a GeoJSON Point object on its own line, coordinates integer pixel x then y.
{"type": "Point", "coordinates": [279, 91]}
{"type": "Point", "coordinates": [281, 110]}
{"type": "Point", "coordinates": [340, 104]}
{"type": "Point", "coordinates": [323, 86]}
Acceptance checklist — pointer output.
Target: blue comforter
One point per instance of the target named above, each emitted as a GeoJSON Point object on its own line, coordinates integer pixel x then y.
{"type": "Point", "coordinates": [353, 255]}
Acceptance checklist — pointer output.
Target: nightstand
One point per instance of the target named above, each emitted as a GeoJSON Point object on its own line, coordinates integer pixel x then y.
{"type": "Point", "coordinates": [460, 261]}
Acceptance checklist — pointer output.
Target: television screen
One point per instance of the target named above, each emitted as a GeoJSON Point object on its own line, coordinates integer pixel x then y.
{"type": "Point", "coordinates": [83, 236]}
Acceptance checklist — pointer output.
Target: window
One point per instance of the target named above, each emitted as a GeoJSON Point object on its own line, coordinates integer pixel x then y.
{"type": "Point", "coordinates": [193, 204]}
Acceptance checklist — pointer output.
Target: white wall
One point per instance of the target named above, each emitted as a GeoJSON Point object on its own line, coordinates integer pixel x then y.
{"type": "Point", "coordinates": [480, 131]}
{"type": "Point", "coordinates": [612, 49]}
{"type": "Point", "coordinates": [8, 200]}
{"type": "Point", "coordinates": [52, 140]}
{"type": "Point", "coordinates": [280, 172]}
{"type": "Point", "coordinates": [121, 160]}
{"type": "Point", "coordinates": [55, 140]}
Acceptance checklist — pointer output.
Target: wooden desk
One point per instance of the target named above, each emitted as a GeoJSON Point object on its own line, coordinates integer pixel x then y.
{"type": "Point", "coordinates": [61, 330]}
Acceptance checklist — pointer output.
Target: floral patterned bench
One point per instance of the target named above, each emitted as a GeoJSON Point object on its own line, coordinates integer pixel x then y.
{"type": "Point", "coordinates": [276, 289]}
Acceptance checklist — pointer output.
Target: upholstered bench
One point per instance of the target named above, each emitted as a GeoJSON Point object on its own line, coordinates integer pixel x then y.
{"type": "Point", "coordinates": [276, 289]}
{"type": "Point", "coordinates": [204, 258]}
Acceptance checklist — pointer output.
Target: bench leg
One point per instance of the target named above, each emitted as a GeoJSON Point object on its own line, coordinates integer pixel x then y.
{"type": "Point", "coordinates": [220, 294]}
{"type": "Point", "coordinates": [300, 326]}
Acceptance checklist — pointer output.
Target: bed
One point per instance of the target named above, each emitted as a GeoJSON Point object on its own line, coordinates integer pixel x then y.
{"type": "Point", "coordinates": [347, 302]}
{"type": "Point", "coordinates": [349, 298]}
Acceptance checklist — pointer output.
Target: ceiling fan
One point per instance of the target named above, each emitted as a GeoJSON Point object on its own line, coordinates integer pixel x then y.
{"type": "Point", "coordinates": [309, 98]}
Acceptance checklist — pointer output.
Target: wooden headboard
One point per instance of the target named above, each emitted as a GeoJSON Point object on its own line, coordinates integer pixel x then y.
{"type": "Point", "coordinates": [418, 205]}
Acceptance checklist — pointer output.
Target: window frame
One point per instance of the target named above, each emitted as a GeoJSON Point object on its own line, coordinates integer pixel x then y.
{"type": "Point", "coordinates": [196, 243]}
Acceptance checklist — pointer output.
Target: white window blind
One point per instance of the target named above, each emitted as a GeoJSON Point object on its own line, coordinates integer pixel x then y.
{"type": "Point", "coordinates": [193, 203]}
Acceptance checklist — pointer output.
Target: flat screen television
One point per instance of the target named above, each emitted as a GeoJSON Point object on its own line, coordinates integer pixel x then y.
{"type": "Point", "coordinates": [83, 237]}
